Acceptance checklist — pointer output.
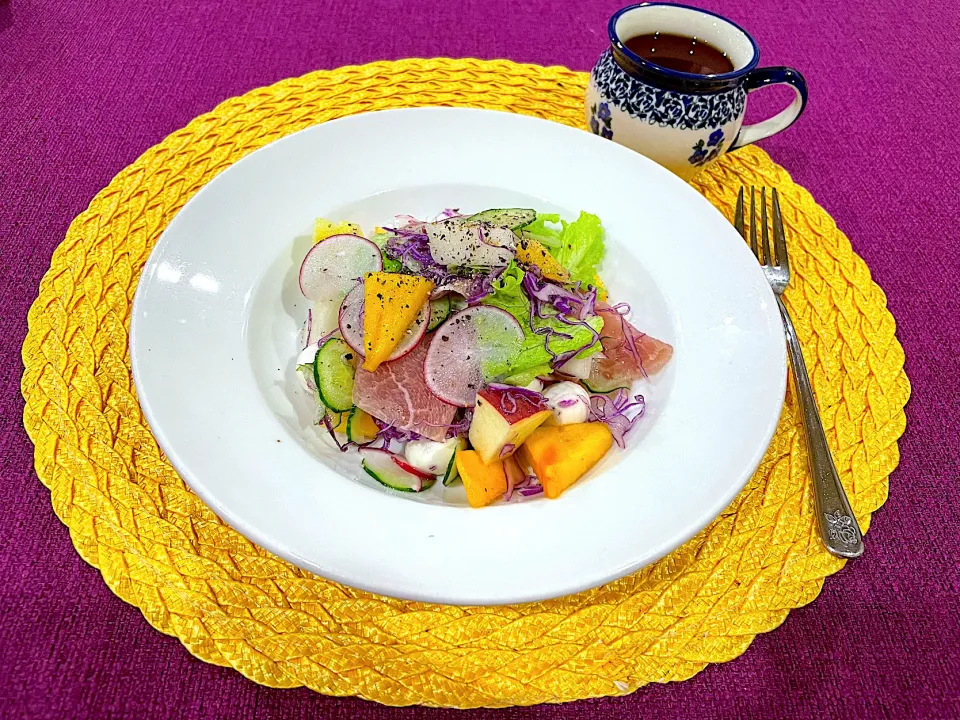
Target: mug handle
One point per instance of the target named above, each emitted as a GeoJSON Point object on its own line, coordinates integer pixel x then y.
{"type": "Point", "coordinates": [763, 77]}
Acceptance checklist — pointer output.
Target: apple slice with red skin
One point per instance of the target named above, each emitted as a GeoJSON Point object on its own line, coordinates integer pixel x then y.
{"type": "Point", "coordinates": [503, 418]}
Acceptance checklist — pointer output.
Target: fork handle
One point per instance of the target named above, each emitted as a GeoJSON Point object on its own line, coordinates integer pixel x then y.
{"type": "Point", "coordinates": [838, 526]}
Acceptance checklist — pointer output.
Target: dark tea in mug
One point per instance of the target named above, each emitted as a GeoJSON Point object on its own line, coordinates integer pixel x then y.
{"type": "Point", "coordinates": [683, 54]}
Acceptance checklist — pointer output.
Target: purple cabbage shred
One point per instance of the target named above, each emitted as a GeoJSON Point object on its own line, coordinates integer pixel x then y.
{"type": "Point", "coordinates": [342, 446]}
{"type": "Point", "coordinates": [390, 433]}
{"type": "Point", "coordinates": [619, 412]}
{"type": "Point", "coordinates": [511, 395]}
{"type": "Point", "coordinates": [571, 307]}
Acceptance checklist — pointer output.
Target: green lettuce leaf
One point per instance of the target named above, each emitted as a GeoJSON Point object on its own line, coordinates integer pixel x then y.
{"type": "Point", "coordinates": [533, 358]}
{"type": "Point", "coordinates": [389, 264]}
{"type": "Point", "coordinates": [578, 245]}
{"type": "Point", "coordinates": [546, 234]}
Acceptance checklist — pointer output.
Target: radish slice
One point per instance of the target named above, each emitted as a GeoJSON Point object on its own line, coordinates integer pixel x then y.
{"type": "Point", "coordinates": [460, 286]}
{"type": "Point", "coordinates": [351, 319]}
{"type": "Point", "coordinates": [333, 266]}
{"type": "Point", "coordinates": [412, 470]}
{"type": "Point", "coordinates": [497, 237]}
{"type": "Point", "coordinates": [351, 325]}
{"type": "Point", "coordinates": [453, 243]}
{"type": "Point", "coordinates": [413, 334]}
{"type": "Point", "coordinates": [469, 349]}
{"type": "Point", "coordinates": [579, 369]}
{"type": "Point", "coordinates": [388, 469]}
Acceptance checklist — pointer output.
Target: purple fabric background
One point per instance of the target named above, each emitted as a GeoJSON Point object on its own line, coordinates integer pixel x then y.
{"type": "Point", "coordinates": [85, 87]}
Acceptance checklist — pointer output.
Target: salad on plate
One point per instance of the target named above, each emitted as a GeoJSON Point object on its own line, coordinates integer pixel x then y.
{"type": "Point", "coordinates": [476, 349]}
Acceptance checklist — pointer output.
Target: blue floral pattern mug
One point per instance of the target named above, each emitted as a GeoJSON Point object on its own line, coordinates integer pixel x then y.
{"type": "Point", "coordinates": [684, 121]}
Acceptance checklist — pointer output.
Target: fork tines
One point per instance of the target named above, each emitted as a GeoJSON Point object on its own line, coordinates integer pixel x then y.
{"type": "Point", "coordinates": [777, 256]}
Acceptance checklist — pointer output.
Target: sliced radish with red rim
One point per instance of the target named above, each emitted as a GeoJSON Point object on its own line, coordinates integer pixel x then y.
{"type": "Point", "coordinates": [468, 350]}
{"type": "Point", "coordinates": [351, 325]}
{"type": "Point", "coordinates": [351, 319]}
{"type": "Point", "coordinates": [332, 267]}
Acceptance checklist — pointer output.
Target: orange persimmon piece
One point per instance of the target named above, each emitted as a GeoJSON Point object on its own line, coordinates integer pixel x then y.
{"type": "Point", "coordinates": [533, 252]}
{"type": "Point", "coordinates": [561, 454]}
{"type": "Point", "coordinates": [484, 483]}
{"type": "Point", "coordinates": [391, 301]}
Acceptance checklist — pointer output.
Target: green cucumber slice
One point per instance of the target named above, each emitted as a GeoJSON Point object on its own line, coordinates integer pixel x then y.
{"type": "Point", "coordinates": [512, 218]}
{"type": "Point", "coordinates": [452, 475]}
{"type": "Point", "coordinates": [604, 386]}
{"type": "Point", "coordinates": [382, 467]}
{"type": "Point", "coordinates": [353, 432]}
{"type": "Point", "coordinates": [333, 371]}
{"type": "Point", "coordinates": [439, 311]}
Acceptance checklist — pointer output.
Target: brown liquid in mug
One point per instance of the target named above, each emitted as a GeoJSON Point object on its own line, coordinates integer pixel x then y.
{"type": "Point", "coordinates": [683, 54]}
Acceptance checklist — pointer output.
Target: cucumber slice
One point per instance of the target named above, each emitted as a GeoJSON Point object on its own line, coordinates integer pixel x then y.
{"type": "Point", "coordinates": [360, 427]}
{"type": "Point", "coordinates": [511, 218]}
{"type": "Point", "coordinates": [333, 371]}
{"type": "Point", "coordinates": [439, 311]}
{"type": "Point", "coordinates": [602, 386]}
{"type": "Point", "coordinates": [383, 467]}
{"type": "Point", "coordinates": [452, 474]}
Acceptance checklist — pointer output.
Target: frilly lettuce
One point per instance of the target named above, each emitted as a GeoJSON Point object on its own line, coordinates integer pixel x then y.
{"type": "Point", "coordinates": [578, 245]}
{"type": "Point", "coordinates": [379, 237]}
{"type": "Point", "coordinates": [533, 359]}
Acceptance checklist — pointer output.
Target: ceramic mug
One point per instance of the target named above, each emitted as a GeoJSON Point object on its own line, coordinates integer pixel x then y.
{"type": "Point", "coordinates": [684, 121]}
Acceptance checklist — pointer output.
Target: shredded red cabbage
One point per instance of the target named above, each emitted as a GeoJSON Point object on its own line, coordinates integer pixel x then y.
{"type": "Point", "coordinates": [309, 327]}
{"type": "Point", "coordinates": [483, 285]}
{"type": "Point", "coordinates": [458, 427]}
{"type": "Point", "coordinates": [329, 425]}
{"type": "Point", "coordinates": [472, 288]}
{"type": "Point", "coordinates": [412, 248]}
{"type": "Point", "coordinates": [326, 337]}
{"type": "Point", "coordinates": [507, 449]}
{"type": "Point", "coordinates": [343, 447]}
{"type": "Point", "coordinates": [531, 491]}
{"type": "Point", "coordinates": [511, 396]}
{"type": "Point", "coordinates": [319, 343]}
{"type": "Point", "coordinates": [618, 412]}
{"type": "Point", "coordinates": [562, 358]}
{"type": "Point", "coordinates": [408, 222]}
{"type": "Point", "coordinates": [574, 304]}
{"type": "Point", "coordinates": [570, 307]}
{"type": "Point", "coordinates": [545, 331]}
{"type": "Point", "coordinates": [389, 433]}
{"type": "Point", "coordinates": [527, 486]}
{"type": "Point", "coordinates": [531, 395]}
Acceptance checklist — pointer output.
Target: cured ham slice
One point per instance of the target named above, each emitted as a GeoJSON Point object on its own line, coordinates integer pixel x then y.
{"type": "Point", "coordinates": [397, 394]}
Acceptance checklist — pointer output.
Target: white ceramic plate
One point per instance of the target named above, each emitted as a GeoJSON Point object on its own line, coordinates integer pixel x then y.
{"type": "Point", "coordinates": [217, 320]}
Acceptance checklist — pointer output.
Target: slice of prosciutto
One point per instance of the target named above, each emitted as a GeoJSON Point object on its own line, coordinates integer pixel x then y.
{"type": "Point", "coordinates": [397, 394]}
{"type": "Point", "coordinates": [621, 364]}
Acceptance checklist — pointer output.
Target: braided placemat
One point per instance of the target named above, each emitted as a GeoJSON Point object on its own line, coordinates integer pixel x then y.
{"type": "Point", "coordinates": [231, 603]}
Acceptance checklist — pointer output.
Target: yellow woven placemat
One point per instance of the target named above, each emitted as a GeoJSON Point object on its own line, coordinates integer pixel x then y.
{"type": "Point", "coordinates": [231, 603]}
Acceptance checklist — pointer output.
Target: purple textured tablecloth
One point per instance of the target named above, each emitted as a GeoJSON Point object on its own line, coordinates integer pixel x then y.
{"type": "Point", "coordinates": [85, 87]}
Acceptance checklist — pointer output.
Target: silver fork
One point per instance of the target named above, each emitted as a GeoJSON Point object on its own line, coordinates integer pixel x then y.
{"type": "Point", "coordinates": [838, 526]}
